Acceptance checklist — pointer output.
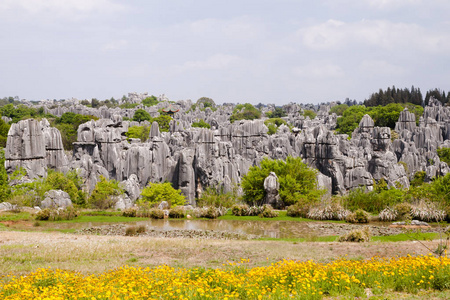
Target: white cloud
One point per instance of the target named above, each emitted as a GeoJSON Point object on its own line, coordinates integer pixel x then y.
{"type": "Point", "coordinates": [215, 62]}
{"type": "Point", "coordinates": [115, 45]}
{"type": "Point", "coordinates": [334, 35]}
{"type": "Point", "coordinates": [319, 70]}
{"type": "Point", "coordinates": [70, 9]}
{"type": "Point", "coordinates": [376, 68]}
{"type": "Point", "coordinates": [235, 28]}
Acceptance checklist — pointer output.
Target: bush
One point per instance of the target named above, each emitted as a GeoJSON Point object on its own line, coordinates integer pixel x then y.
{"type": "Point", "coordinates": [129, 212]}
{"type": "Point", "coordinates": [328, 212]}
{"type": "Point", "coordinates": [130, 231]}
{"type": "Point", "coordinates": [357, 235]}
{"type": "Point", "coordinates": [138, 132]}
{"type": "Point", "coordinates": [240, 210]}
{"type": "Point", "coordinates": [273, 124]}
{"type": "Point", "coordinates": [373, 201]}
{"type": "Point", "coordinates": [298, 210]}
{"type": "Point", "coordinates": [150, 101]}
{"type": "Point", "coordinates": [177, 212]}
{"type": "Point", "coordinates": [141, 115]}
{"type": "Point", "coordinates": [444, 154]}
{"type": "Point", "coordinates": [211, 196]}
{"type": "Point", "coordinates": [428, 212]}
{"type": "Point", "coordinates": [403, 211]}
{"type": "Point", "coordinates": [210, 212]}
{"type": "Point", "coordinates": [141, 229]}
{"type": "Point", "coordinates": [201, 124]}
{"type": "Point", "coordinates": [245, 112]}
{"type": "Point", "coordinates": [101, 196]}
{"type": "Point", "coordinates": [51, 214]}
{"type": "Point", "coordinates": [359, 216]}
{"type": "Point", "coordinates": [155, 193]}
{"type": "Point", "coordinates": [297, 182]}
{"type": "Point", "coordinates": [155, 213]}
{"type": "Point", "coordinates": [268, 212]}
{"type": "Point", "coordinates": [388, 214]}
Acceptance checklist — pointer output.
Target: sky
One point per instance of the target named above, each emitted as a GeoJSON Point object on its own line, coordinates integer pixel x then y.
{"type": "Point", "coordinates": [256, 51]}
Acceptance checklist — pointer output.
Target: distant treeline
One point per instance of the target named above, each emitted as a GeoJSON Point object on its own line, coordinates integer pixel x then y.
{"type": "Point", "coordinates": [414, 96]}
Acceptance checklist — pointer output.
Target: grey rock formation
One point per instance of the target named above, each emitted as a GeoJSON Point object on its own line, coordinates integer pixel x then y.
{"type": "Point", "coordinates": [6, 206]}
{"type": "Point", "coordinates": [122, 202]}
{"type": "Point", "coordinates": [271, 188]}
{"type": "Point", "coordinates": [25, 148]}
{"type": "Point", "coordinates": [131, 187]}
{"type": "Point", "coordinates": [56, 199]}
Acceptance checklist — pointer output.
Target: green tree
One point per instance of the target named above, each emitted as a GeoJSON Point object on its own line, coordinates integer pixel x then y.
{"type": "Point", "coordinates": [339, 109]}
{"type": "Point", "coordinates": [201, 124]}
{"type": "Point", "coordinates": [245, 112]}
{"type": "Point", "coordinates": [150, 101]}
{"type": "Point", "coordinates": [4, 129]}
{"type": "Point", "coordinates": [163, 122]}
{"type": "Point", "coordinates": [278, 112]}
{"type": "Point", "coordinates": [141, 115]}
{"type": "Point", "coordinates": [273, 124]}
{"type": "Point", "coordinates": [5, 190]}
{"type": "Point", "coordinates": [138, 132]}
{"type": "Point", "coordinates": [297, 181]}
{"type": "Point", "coordinates": [309, 113]}
{"type": "Point", "coordinates": [101, 195]}
{"type": "Point", "coordinates": [444, 154]}
{"type": "Point", "coordinates": [155, 193]}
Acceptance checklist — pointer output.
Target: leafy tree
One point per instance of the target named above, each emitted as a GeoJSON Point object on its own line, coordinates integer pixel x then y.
{"type": "Point", "coordinates": [163, 122]}
{"type": "Point", "coordinates": [350, 119]}
{"type": "Point", "coordinates": [138, 132]}
{"type": "Point", "coordinates": [5, 190]}
{"type": "Point", "coordinates": [201, 124]}
{"type": "Point", "coordinates": [277, 113]}
{"type": "Point", "coordinates": [141, 115]}
{"type": "Point", "coordinates": [297, 181]}
{"type": "Point", "coordinates": [245, 112]}
{"type": "Point", "coordinates": [339, 109]}
{"type": "Point", "coordinates": [155, 193]}
{"type": "Point", "coordinates": [309, 113]}
{"type": "Point", "coordinates": [69, 183]}
{"type": "Point", "coordinates": [207, 102]}
{"type": "Point", "coordinates": [4, 128]}
{"type": "Point", "coordinates": [273, 124]}
{"type": "Point", "coordinates": [444, 154]}
{"type": "Point", "coordinates": [101, 195]}
{"type": "Point", "coordinates": [150, 101]}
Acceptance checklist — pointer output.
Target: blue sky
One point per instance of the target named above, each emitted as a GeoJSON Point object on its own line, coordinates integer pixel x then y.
{"type": "Point", "coordinates": [232, 51]}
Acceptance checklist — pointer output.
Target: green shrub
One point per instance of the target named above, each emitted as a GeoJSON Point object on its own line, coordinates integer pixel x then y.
{"type": "Point", "coordinates": [141, 115]}
{"type": "Point", "coordinates": [103, 192]}
{"type": "Point", "coordinates": [201, 124]}
{"type": "Point", "coordinates": [359, 216]}
{"type": "Point", "coordinates": [177, 212]}
{"type": "Point", "coordinates": [298, 210]}
{"type": "Point", "coordinates": [444, 154]}
{"type": "Point", "coordinates": [138, 132]}
{"type": "Point", "coordinates": [388, 214]}
{"type": "Point", "coordinates": [150, 101]}
{"type": "Point", "coordinates": [129, 212]}
{"type": "Point", "coordinates": [373, 201]}
{"type": "Point", "coordinates": [309, 113]}
{"type": "Point", "coordinates": [163, 122]}
{"type": "Point", "coordinates": [131, 231]}
{"type": "Point", "coordinates": [403, 210]}
{"type": "Point", "coordinates": [155, 193]}
{"type": "Point", "coordinates": [297, 182]}
{"type": "Point", "coordinates": [419, 178]}
{"type": "Point", "coordinates": [156, 213]}
{"type": "Point", "coordinates": [277, 113]}
{"type": "Point", "coordinates": [239, 210]}
{"type": "Point", "coordinates": [52, 214]}
{"type": "Point", "coordinates": [357, 235]}
{"type": "Point", "coordinates": [212, 196]}
{"type": "Point", "coordinates": [268, 212]}
{"type": "Point", "coordinates": [245, 112]}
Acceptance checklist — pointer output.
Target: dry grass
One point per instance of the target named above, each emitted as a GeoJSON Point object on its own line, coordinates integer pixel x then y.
{"type": "Point", "coordinates": [22, 252]}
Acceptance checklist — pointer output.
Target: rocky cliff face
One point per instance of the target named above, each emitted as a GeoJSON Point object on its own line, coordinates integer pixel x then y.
{"type": "Point", "coordinates": [195, 158]}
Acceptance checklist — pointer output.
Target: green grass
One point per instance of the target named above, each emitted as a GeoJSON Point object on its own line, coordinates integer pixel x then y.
{"type": "Point", "coordinates": [11, 216]}
{"type": "Point", "coordinates": [282, 216]}
{"type": "Point", "coordinates": [406, 237]}
{"type": "Point", "coordinates": [105, 219]}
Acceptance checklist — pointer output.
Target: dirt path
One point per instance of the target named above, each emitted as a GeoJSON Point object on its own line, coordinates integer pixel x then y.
{"type": "Point", "coordinates": [22, 252]}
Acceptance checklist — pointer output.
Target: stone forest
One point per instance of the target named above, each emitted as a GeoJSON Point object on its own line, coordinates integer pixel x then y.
{"type": "Point", "coordinates": [194, 200]}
